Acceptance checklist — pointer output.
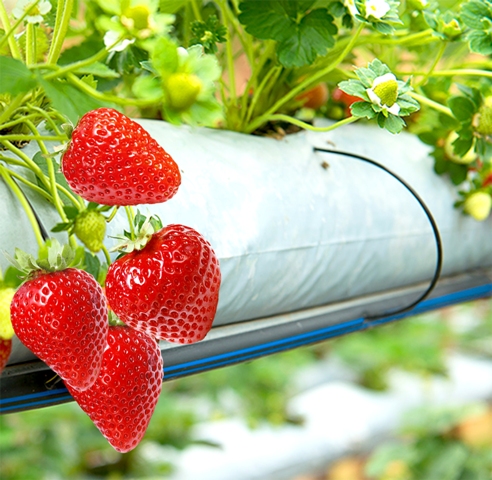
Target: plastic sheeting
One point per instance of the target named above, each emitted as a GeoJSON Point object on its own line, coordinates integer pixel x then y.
{"type": "Point", "coordinates": [291, 233]}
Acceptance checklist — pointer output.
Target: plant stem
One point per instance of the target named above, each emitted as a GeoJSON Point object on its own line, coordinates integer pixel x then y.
{"type": "Point", "coordinates": [63, 14]}
{"type": "Point", "coordinates": [472, 72]}
{"type": "Point", "coordinates": [26, 182]}
{"type": "Point", "coordinates": [16, 102]}
{"type": "Point", "coordinates": [30, 44]}
{"type": "Point", "coordinates": [308, 126]}
{"type": "Point", "coordinates": [434, 64]}
{"type": "Point", "coordinates": [25, 204]}
{"type": "Point", "coordinates": [306, 83]}
{"type": "Point", "coordinates": [431, 103]}
{"type": "Point", "coordinates": [131, 220]}
{"type": "Point", "coordinates": [13, 45]}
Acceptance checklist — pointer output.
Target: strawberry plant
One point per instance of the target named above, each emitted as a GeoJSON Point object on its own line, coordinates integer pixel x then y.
{"type": "Point", "coordinates": [72, 75]}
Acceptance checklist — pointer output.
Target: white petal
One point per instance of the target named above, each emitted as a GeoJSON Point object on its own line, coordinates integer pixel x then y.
{"type": "Point", "coordinates": [373, 96]}
{"type": "Point", "coordinates": [377, 8]}
{"type": "Point", "coordinates": [394, 109]}
{"type": "Point", "coordinates": [383, 78]}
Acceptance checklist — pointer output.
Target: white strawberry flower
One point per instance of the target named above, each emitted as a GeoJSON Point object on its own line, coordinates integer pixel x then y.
{"type": "Point", "coordinates": [384, 93]}
{"type": "Point", "coordinates": [351, 7]}
{"type": "Point", "coordinates": [32, 10]}
{"type": "Point", "coordinates": [377, 8]}
{"type": "Point", "coordinates": [110, 39]}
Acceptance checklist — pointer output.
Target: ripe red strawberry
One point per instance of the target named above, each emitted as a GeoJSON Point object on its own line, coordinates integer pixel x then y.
{"type": "Point", "coordinates": [112, 160]}
{"type": "Point", "coordinates": [5, 349]}
{"type": "Point", "coordinates": [123, 398]}
{"type": "Point", "coordinates": [61, 317]}
{"type": "Point", "coordinates": [170, 288]}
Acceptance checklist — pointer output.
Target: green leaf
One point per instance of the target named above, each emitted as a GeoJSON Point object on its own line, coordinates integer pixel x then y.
{"type": "Point", "coordinates": [267, 20]}
{"type": "Point", "coordinates": [15, 77]}
{"type": "Point", "coordinates": [12, 277]}
{"type": "Point", "coordinates": [362, 109]}
{"type": "Point", "coordinates": [69, 100]}
{"type": "Point", "coordinates": [393, 124]}
{"type": "Point", "coordinates": [457, 172]}
{"type": "Point", "coordinates": [481, 42]}
{"type": "Point", "coordinates": [302, 34]}
{"type": "Point", "coordinates": [165, 59]}
{"type": "Point", "coordinates": [473, 14]}
{"type": "Point", "coordinates": [92, 264]}
{"type": "Point", "coordinates": [314, 36]}
{"type": "Point", "coordinates": [98, 69]}
{"type": "Point", "coordinates": [462, 107]}
{"type": "Point", "coordinates": [353, 87]}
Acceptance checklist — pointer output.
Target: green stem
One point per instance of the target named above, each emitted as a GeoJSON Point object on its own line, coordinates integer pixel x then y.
{"type": "Point", "coordinates": [73, 67]}
{"type": "Point", "coordinates": [74, 80]}
{"type": "Point", "coordinates": [196, 10]}
{"type": "Point", "coordinates": [431, 103]}
{"type": "Point", "coordinates": [20, 137]}
{"type": "Point", "coordinates": [403, 39]}
{"type": "Point", "coordinates": [24, 203]}
{"type": "Point", "coordinates": [472, 72]}
{"type": "Point", "coordinates": [13, 45]}
{"type": "Point", "coordinates": [16, 102]}
{"type": "Point", "coordinates": [131, 221]}
{"type": "Point", "coordinates": [434, 64]}
{"type": "Point", "coordinates": [26, 182]}
{"type": "Point", "coordinates": [30, 44]}
{"type": "Point", "coordinates": [11, 29]}
{"type": "Point", "coordinates": [307, 126]}
{"type": "Point", "coordinates": [229, 54]}
{"type": "Point", "coordinates": [306, 83]}
{"type": "Point", "coordinates": [63, 14]}
{"type": "Point", "coordinates": [106, 254]}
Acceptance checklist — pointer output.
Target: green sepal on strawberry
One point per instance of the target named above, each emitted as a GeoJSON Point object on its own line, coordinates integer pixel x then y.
{"type": "Point", "coordinates": [168, 287]}
{"type": "Point", "coordinates": [6, 329]}
{"type": "Point", "coordinates": [112, 160]}
{"type": "Point", "coordinates": [123, 398]}
{"type": "Point", "coordinates": [60, 314]}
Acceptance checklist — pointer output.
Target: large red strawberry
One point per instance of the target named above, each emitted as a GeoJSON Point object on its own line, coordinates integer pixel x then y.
{"type": "Point", "coordinates": [62, 318]}
{"type": "Point", "coordinates": [123, 398]}
{"type": "Point", "coordinates": [5, 349]}
{"type": "Point", "coordinates": [170, 288]}
{"type": "Point", "coordinates": [112, 160]}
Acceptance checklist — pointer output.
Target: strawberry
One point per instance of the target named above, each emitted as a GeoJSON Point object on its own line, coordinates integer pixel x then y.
{"type": "Point", "coordinates": [6, 330]}
{"type": "Point", "coordinates": [478, 205]}
{"type": "Point", "coordinates": [61, 317]}
{"type": "Point", "coordinates": [123, 398]}
{"type": "Point", "coordinates": [182, 90]}
{"type": "Point", "coordinates": [90, 229]}
{"type": "Point", "coordinates": [5, 349]}
{"type": "Point", "coordinates": [112, 160]}
{"type": "Point", "coordinates": [170, 288]}
{"type": "Point", "coordinates": [315, 97]}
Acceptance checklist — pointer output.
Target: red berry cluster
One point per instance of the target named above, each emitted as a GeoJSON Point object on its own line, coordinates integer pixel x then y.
{"type": "Point", "coordinates": [167, 290]}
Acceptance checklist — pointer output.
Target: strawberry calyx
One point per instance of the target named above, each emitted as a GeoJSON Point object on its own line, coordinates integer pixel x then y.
{"type": "Point", "coordinates": [52, 257]}
{"type": "Point", "coordinates": [145, 227]}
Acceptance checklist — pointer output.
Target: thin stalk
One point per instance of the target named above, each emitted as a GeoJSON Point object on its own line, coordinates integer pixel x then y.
{"type": "Point", "coordinates": [27, 162]}
{"type": "Point", "coordinates": [230, 56]}
{"type": "Point", "coordinates": [74, 80]}
{"type": "Point", "coordinates": [309, 81]}
{"type": "Point", "coordinates": [18, 137]}
{"type": "Point", "coordinates": [466, 72]}
{"type": "Point", "coordinates": [29, 184]}
{"type": "Point", "coordinates": [16, 102]}
{"type": "Point", "coordinates": [30, 44]}
{"type": "Point", "coordinates": [72, 67]}
{"type": "Point", "coordinates": [312, 128]}
{"type": "Point", "coordinates": [51, 172]}
{"type": "Point", "coordinates": [60, 30]}
{"type": "Point", "coordinates": [274, 72]}
{"type": "Point", "coordinates": [24, 203]}
{"type": "Point", "coordinates": [196, 10]}
{"type": "Point", "coordinates": [106, 254]}
{"type": "Point", "coordinates": [131, 221]}
{"type": "Point", "coordinates": [13, 45]}
{"type": "Point", "coordinates": [12, 29]}
{"type": "Point", "coordinates": [434, 64]}
{"type": "Point", "coordinates": [431, 103]}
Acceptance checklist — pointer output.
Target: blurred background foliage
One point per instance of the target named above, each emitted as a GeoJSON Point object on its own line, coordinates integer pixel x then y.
{"type": "Point", "coordinates": [62, 443]}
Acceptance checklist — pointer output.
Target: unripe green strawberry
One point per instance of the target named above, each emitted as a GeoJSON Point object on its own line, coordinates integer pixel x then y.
{"type": "Point", "coordinates": [478, 205]}
{"type": "Point", "coordinates": [485, 117]}
{"type": "Point", "coordinates": [90, 229]}
{"type": "Point", "coordinates": [467, 158]}
{"type": "Point", "coordinates": [182, 90]}
{"type": "Point", "coordinates": [6, 329]}
{"type": "Point", "coordinates": [387, 91]}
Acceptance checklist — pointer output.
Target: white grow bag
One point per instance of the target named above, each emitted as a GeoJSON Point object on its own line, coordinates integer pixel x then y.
{"type": "Point", "coordinates": [291, 235]}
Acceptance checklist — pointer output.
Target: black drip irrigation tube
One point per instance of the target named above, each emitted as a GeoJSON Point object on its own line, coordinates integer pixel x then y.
{"type": "Point", "coordinates": [432, 221]}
